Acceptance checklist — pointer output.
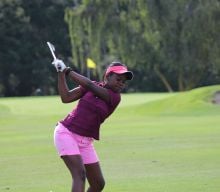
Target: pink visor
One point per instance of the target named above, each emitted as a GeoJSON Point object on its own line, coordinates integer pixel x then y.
{"type": "Point", "coordinates": [120, 70]}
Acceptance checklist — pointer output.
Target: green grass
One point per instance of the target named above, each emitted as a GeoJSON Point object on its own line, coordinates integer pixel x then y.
{"type": "Point", "coordinates": [153, 142]}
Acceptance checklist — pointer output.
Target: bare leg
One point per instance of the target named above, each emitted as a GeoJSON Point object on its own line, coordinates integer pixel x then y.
{"type": "Point", "coordinates": [94, 177]}
{"type": "Point", "coordinates": [77, 170]}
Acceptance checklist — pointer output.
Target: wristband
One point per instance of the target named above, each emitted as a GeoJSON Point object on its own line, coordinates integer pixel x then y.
{"type": "Point", "coordinates": [67, 71]}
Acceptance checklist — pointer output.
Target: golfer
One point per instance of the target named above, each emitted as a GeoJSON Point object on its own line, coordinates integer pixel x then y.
{"type": "Point", "coordinates": [74, 135]}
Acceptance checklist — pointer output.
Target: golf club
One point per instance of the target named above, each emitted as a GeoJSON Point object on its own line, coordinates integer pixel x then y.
{"type": "Point", "coordinates": [52, 50]}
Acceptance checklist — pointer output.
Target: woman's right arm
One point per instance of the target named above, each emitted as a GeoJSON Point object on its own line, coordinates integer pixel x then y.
{"type": "Point", "coordinates": [67, 95]}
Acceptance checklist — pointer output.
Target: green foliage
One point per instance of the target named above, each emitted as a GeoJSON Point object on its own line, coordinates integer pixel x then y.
{"type": "Point", "coordinates": [25, 28]}
{"type": "Point", "coordinates": [165, 43]}
{"type": "Point", "coordinates": [11, 12]}
{"type": "Point", "coordinates": [188, 41]}
{"type": "Point", "coordinates": [170, 39]}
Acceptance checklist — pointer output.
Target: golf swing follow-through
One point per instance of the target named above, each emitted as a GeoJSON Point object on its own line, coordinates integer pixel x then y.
{"type": "Point", "coordinates": [74, 135]}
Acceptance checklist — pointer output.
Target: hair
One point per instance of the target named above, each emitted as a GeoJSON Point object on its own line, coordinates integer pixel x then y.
{"type": "Point", "coordinates": [116, 63]}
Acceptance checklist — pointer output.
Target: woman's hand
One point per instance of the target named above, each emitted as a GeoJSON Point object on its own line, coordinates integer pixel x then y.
{"type": "Point", "coordinates": [59, 65]}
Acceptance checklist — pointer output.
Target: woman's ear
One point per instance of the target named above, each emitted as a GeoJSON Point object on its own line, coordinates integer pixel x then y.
{"type": "Point", "coordinates": [107, 77]}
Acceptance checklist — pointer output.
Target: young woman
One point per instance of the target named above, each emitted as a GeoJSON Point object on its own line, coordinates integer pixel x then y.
{"type": "Point", "coordinates": [74, 135]}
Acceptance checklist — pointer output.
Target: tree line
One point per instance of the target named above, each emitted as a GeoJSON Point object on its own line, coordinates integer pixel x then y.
{"type": "Point", "coordinates": [170, 45]}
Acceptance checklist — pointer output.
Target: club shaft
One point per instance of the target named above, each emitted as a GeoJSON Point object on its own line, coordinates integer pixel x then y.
{"type": "Point", "coordinates": [51, 50]}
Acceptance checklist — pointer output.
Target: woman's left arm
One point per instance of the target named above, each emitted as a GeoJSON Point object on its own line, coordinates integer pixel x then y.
{"type": "Point", "coordinates": [89, 85]}
{"type": "Point", "coordinates": [67, 95]}
{"type": "Point", "coordinates": [99, 91]}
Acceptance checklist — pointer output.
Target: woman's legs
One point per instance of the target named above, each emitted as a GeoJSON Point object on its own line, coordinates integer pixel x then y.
{"type": "Point", "coordinates": [94, 177]}
{"type": "Point", "coordinates": [77, 170]}
{"type": "Point", "coordinates": [79, 173]}
{"type": "Point", "coordinates": [76, 151]}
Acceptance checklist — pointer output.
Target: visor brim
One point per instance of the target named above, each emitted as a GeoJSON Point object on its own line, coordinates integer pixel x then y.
{"type": "Point", "coordinates": [129, 74]}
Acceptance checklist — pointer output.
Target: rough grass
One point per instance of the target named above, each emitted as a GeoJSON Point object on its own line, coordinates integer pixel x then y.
{"type": "Point", "coordinates": [153, 142]}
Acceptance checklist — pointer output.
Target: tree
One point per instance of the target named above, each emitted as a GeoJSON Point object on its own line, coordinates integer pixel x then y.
{"type": "Point", "coordinates": [187, 43]}
{"type": "Point", "coordinates": [164, 42]}
{"type": "Point", "coordinates": [14, 24]}
{"type": "Point", "coordinates": [164, 37]}
{"type": "Point", "coordinates": [110, 30]}
{"type": "Point", "coordinates": [24, 56]}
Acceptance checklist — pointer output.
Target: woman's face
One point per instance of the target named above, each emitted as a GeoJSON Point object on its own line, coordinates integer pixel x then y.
{"type": "Point", "coordinates": [116, 82]}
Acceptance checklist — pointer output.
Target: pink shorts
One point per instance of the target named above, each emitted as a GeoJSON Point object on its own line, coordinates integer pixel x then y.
{"type": "Point", "coordinates": [68, 143]}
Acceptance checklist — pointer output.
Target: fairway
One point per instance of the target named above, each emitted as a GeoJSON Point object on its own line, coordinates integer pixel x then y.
{"type": "Point", "coordinates": [153, 142]}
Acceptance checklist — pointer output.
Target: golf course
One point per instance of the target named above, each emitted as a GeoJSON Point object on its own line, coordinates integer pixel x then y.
{"type": "Point", "coordinates": [154, 142]}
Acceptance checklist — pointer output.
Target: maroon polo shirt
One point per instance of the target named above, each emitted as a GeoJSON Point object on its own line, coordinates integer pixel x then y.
{"type": "Point", "coordinates": [90, 113]}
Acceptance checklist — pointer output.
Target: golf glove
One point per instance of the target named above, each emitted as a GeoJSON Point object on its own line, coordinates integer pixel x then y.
{"type": "Point", "coordinates": [59, 65]}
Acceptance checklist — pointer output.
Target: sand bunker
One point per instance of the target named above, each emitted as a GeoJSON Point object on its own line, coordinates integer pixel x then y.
{"type": "Point", "coordinates": [216, 98]}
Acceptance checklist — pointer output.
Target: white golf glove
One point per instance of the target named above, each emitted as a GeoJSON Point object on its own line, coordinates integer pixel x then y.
{"type": "Point", "coordinates": [59, 65]}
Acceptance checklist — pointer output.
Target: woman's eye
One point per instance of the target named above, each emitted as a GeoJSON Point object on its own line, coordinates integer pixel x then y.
{"type": "Point", "coordinates": [122, 81]}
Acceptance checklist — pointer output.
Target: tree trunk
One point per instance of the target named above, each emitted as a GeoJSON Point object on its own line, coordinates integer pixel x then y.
{"type": "Point", "coordinates": [163, 79]}
{"type": "Point", "coordinates": [180, 82]}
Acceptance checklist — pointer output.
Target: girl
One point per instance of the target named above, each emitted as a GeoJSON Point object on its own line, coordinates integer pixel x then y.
{"type": "Point", "coordinates": [74, 135]}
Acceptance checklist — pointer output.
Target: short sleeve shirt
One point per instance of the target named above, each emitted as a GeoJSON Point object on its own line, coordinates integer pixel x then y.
{"type": "Point", "coordinates": [90, 113]}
